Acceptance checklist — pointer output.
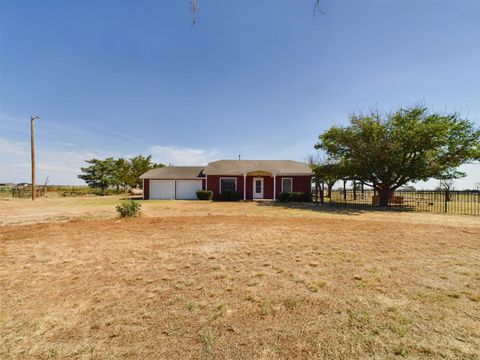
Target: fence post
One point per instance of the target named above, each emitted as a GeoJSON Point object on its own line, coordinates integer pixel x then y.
{"type": "Point", "coordinates": [447, 195]}
{"type": "Point", "coordinates": [345, 192]}
{"type": "Point", "coordinates": [354, 190]}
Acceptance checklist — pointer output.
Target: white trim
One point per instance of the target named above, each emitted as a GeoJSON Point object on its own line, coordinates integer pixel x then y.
{"type": "Point", "coordinates": [244, 187]}
{"type": "Point", "coordinates": [260, 167]}
{"type": "Point", "coordinates": [293, 174]}
{"type": "Point", "coordinates": [175, 189]}
{"type": "Point", "coordinates": [243, 172]}
{"type": "Point", "coordinates": [220, 183]}
{"type": "Point", "coordinates": [254, 189]}
{"type": "Point", "coordinates": [291, 181]}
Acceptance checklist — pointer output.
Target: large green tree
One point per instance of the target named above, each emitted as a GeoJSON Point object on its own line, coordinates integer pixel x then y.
{"type": "Point", "coordinates": [99, 174]}
{"type": "Point", "coordinates": [116, 172]}
{"type": "Point", "coordinates": [387, 151]}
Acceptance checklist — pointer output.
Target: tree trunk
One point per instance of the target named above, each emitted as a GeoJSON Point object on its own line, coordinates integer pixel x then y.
{"type": "Point", "coordinates": [354, 190]}
{"type": "Point", "coordinates": [384, 195]}
{"type": "Point", "coordinates": [329, 186]}
{"type": "Point", "coordinates": [322, 194]}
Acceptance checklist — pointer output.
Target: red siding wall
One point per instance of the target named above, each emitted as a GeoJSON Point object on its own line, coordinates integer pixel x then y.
{"type": "Point", "coordinates": [300, 184]}
{"type": "Point", "coordinates": [146, 189]}
{"type": "Point", "coordinates": [213, 184]}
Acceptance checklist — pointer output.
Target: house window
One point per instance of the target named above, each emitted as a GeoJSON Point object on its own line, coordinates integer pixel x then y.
{"type": "Point", "coordinates": [228, 184]}
{"type": "Point", "coordinates": [287, 184]}
{"type": "Point", "coordinates": [258, 186]}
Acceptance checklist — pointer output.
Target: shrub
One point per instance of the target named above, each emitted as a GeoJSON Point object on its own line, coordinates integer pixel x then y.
{"type": "Point", "coordinates": [128, 209]}
{"type": "Point", "coordinates": [294, 197]}
{"type": "Point", "coordinates": [284, 196]}
{"type": "Point", "coordinates": [230, 196]}
{"type": "Point", "coordinates": [204, 195]}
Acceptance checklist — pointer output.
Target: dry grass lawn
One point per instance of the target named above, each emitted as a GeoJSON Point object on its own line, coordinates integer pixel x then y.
{"type": "Point", "coordinates": [234, 281]}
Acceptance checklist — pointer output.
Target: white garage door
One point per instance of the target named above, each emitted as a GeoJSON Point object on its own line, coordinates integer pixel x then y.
{"type": "Point", "coordinates": [162, 189]}
{"type": "Point", "coordinates": [187, 189]}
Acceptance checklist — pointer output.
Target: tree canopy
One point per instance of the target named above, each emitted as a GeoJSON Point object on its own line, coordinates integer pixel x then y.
{"type": "Point", "coordinates": [328, 170]}
{"type": "Point", "coordinates": [390, 150]}
{"type": "Point", "coordinates": [116, 172]}
{"type": "Point", "coordinates": [100, 173]}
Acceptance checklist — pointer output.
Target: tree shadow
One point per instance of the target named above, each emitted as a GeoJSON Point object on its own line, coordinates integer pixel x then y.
{"type": "Point", "coordinates": [132, 197]}
{"type": "Point", "coordinates": [326, 208]}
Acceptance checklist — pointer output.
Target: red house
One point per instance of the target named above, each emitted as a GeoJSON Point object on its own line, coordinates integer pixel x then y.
{"type": "Point", "coordinates": [252, 179]}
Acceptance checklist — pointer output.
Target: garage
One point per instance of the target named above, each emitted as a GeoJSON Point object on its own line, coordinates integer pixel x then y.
{"type": "Point", "coordinates": [173, 182]}
{"type": "Point", "coordinates": [162, 189]}
{"type": "Point", "coordinates": [187, 189]}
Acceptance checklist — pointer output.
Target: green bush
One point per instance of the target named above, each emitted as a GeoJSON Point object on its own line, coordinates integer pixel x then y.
{"type": "Point", "coordinates": [230, 196]}
{"type": "Point", "coordinates": [284, 196]}
{"type": "Point", "coordinates": [204, 195]}
{"type": "Point", "coordinates": [294, 197]}
{"type": "Point", "coordinates": [128, 209]}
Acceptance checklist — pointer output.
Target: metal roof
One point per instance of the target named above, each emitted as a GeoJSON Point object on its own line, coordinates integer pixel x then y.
{"type": "Point", "coordinates": [229, 167]}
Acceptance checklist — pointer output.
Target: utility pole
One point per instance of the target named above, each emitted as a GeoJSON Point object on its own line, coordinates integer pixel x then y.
{"type": "Point", "coordinates": [32, 140]}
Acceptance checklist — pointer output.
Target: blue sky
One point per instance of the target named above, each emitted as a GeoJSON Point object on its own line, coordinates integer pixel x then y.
{"type": "Point", "coordinates": [256, 78]}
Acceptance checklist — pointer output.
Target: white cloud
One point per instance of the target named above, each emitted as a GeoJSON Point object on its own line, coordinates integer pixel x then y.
{"type": "Point", "coordinates": [182, 156]}
{"type": "Point", "coordinates": [16, 148]}
{"type": "Point", "coordinates": [62, 167]}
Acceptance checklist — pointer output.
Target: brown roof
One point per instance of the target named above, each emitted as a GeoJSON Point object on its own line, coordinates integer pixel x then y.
{"type": "Point", "coordinates": [280, 167]}
{"type": "Point", "coordinates": [175, 172]}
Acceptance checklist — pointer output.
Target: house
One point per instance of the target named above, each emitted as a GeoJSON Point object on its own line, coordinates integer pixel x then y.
{"type": "Point", "coordinates": [252, 179]}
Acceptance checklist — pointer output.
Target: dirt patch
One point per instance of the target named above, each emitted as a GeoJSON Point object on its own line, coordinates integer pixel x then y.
{"type": "Point", "coordinates": [23, 211]}
{"type": "Point", "coordinates": [256, 285]}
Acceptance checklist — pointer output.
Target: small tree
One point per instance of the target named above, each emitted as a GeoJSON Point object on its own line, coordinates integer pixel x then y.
{"type": "Point", "coordinates": [100, 173]}
{"type": "Point", "coordinates": [140, 165]}
{"type": "Point", "coordinates": [447, 181]}
{"type": "Point", "coordinates": [123, 173]}
{"type": "Point", "coordinates": [327, 170]}
{"type": "Point", "coordinates": [409, 145]}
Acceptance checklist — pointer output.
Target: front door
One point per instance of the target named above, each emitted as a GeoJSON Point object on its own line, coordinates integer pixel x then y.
{"type": "Point", "coordinates": [258, 188]}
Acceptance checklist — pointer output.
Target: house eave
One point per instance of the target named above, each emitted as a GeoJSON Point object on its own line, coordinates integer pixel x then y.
{"type": "Point", "coordinates": [242, 173]}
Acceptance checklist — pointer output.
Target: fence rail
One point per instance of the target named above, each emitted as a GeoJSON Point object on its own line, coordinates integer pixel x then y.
{"type": "Point", "coordinates": [451, 202]}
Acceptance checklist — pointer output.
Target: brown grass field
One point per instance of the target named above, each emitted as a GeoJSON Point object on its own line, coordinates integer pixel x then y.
{"type": "Point", "coordinates": [201, 280]}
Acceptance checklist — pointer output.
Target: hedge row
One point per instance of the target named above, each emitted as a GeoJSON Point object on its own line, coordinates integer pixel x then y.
{"type": "Point", "coordinates": [235, 196]}
{"type": "Point", "coordinates": [230, 196]}
{"type": "Point", "coordinates": [294, 197]}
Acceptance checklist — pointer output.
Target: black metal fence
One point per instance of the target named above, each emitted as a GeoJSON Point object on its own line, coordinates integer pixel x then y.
{"type": "Point", "coordinates": [451, 202]}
